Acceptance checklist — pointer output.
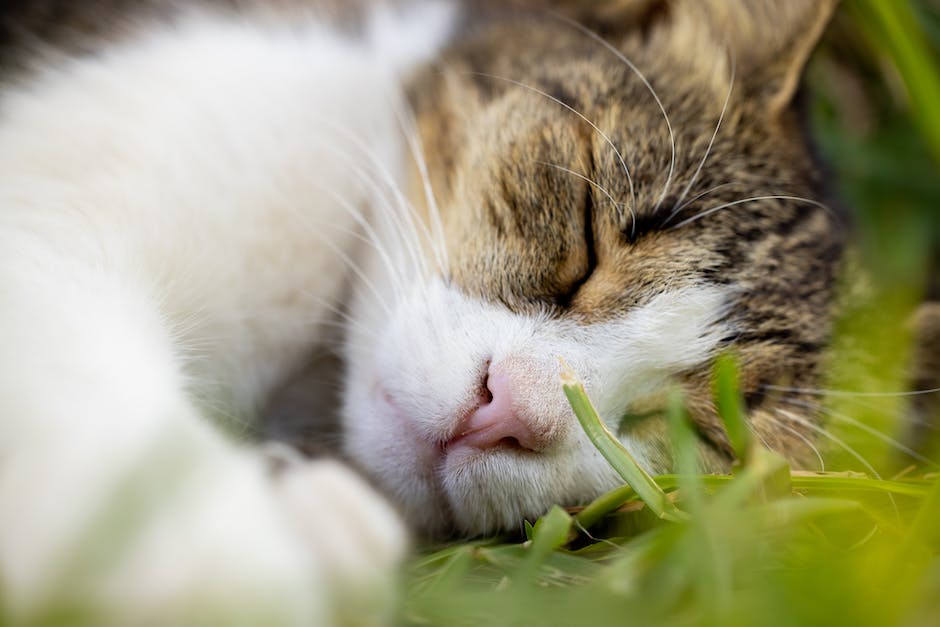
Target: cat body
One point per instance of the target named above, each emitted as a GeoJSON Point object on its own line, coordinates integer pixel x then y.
{"type": "Point", "coordinates": [185, 214]}
{"type": "Point", "coordinates": [175, 214]}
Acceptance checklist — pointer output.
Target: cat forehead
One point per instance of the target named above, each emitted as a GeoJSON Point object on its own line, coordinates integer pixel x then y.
{"type": "Point", "coordinates": [551, 144]}
{"type": "Point", "coordinates": [578, 65]}
{"type": "Point", "coordinates": [691, 47]}
{"type": "Point", "coordinates": [534, 90]}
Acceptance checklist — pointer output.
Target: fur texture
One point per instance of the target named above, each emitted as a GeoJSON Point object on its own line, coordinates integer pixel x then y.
{"type": "Point", "coordinates": [621, 183]}
{"type": "Point", "coordinates": [174, 215]}
{"type": "Point", "coordinates": [634, 203]}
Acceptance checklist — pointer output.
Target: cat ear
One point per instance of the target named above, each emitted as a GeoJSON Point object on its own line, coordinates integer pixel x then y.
{"type": "Point", "coordinates": [769, 40]}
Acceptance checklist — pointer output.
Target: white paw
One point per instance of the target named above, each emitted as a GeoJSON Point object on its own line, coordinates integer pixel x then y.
{"type": "Point", "coordinates": [357, 539]}
{"type": "Point", "coordinates": [311, 545]}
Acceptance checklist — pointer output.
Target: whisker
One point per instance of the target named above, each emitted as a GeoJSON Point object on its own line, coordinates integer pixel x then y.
{"type": "Point", "coordinates": [839, 442]}
{"type": "Point", "coordinates": [699, 196]}
{"type": "Point", "coordinates": [617, 548]}
{"type": "Point", "coordinates": [370, 237]}
{"type": "Point", "coordinates": [862, 426]}
{"type": "Point", "coordinates": [403, 217]}
{"type": "Point", "coordinates": [809, 444]}
{"type": "Point", "coordinates": [438, 241]}
{"type": "Point", "coordinates": [594, 126]}
{"type": "Point", "coordinates": [417, 151]}
{"type": "Point", "coordinates": [620, 55]}
{"type": "Point", "coordinates": [734, 203]}
{"type": "Point", "coordinates": [708, 149]}
{"type": "Point", "coordinates": [368, 179]}
{"type": "Point", "coordinates": [346, 319]}
{"type": "Point", "coordinates": [760, 438]}
{"type": "Point", "coordinates": [405, 225]}
{"type": "Point", "coordinates": [872, 404]}
{"type": "Point", "coordinates": [848, 393]}
{"type": "Point", "coordinates": [779, 423]}
{"type": "Point", "coordinates": [412, 244]}
{"type": "Point", "coordinates": [586, 179]}
{"type": "Point", "coordinates": [350, 263]}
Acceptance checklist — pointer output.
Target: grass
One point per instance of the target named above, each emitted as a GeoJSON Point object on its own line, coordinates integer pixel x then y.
{"type": "Point", "coordinates": [687, 549]}
{"type": "Point", "coordinates": [859, 545]}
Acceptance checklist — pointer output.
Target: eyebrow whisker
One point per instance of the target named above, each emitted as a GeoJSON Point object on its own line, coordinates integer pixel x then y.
{"type": "Point", "coordinates": [724, 108]}
{"type": "Point", "coordinates": [620, 55]}
{"type": "Point", "coordinates": [591, 182]}
{"type": "Point", "coordinates": [596, 128]}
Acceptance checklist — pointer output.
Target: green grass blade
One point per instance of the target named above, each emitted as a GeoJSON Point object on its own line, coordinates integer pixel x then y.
{"type": "Point", "coordinates": [731, 407]}
{"type": "Point", "coordinates": [685, 447]}
{"type": "Point", "coordinates": [603, 505]}
{"type": "Point", "coordinates": [894, 27]}
{"type": "Point", "coordinates": [926, 527]}
{"type": "Point", "coordinates": [551, 532]}
{"type": "Point", "coordinates": [614, 452]}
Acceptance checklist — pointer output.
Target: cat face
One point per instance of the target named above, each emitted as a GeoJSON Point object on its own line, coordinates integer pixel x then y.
{"type": "Point", "coordinates": [625, 188]}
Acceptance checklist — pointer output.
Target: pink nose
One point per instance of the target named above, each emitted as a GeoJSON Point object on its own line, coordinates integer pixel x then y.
{"type": "Point", "coordinates": [494, 421]}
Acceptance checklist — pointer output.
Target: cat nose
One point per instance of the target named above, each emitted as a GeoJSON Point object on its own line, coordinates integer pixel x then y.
{"type": "Point", "coordinates": [494, 421]}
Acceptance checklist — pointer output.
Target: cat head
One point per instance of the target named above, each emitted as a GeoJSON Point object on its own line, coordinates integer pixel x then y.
{"type": "Point", "coordinates": [622, 184]}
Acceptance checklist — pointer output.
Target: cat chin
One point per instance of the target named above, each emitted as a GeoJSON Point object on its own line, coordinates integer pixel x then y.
{"type": "Point", "coordinates": [494, 491]}
{"type": "Point", "coordinates": [409, 386]}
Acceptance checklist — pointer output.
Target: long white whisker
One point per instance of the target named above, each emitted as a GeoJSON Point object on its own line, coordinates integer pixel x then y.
{"type": "Point", "coordinates": [870, 404]}
{"type": "Point", "coordinates": [588, 180]}
{"type": "Point", "coordinates": [596, 128]}
{"type": "Point", "coordinates": [862, 426]}
{"type": "Point", "coordinates": [409, 236]}
{"type": "Point", "coordinates": [726, 205]}
{"type": "Point", "coordinates": [823, 432]}
{"type": "Point", "coordinates": [806, 441]}
{"type": "Point", "coordinates": [711, 142]}
{"type": "Point", "coordinates": [821, 392]}
{"type": "Point", "coordinates": [760, 438]}
{"type": "Point", "coordinates": [620, 55]}
{"type": "Point", "coordinates": [417, 151]}
{"type": "Point", "coordinates": [352, 265]}
{"type": "Point", "coordinates": [368, 179]}
{"type": "Point", "coordinates": [699, 197]}
{"type": "Point", "coordinates": [370, 237]}
{"type": "Point", "coordinates": [438, 240]}
{"type": "Point", "coordinates": [348, 319]}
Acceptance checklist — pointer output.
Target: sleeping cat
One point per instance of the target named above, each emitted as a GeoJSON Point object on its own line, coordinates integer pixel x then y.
{"type": "Point", "coordinates": [634, 208]}
{"type": "Point", "coordinates": [188, 207]}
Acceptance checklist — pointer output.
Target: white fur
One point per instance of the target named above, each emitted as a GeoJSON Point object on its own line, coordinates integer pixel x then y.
{"type": "Point", "coordinates": [170, 216]}
{"type": "Point", "coordinates": [408, 389]}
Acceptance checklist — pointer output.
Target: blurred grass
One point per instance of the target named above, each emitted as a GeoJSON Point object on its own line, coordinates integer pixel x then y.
{"type": "Point", "coordinates": [859, 546]}
{"type": "Point", "coordinates": [760, 547]}
{"type": "Point", "coordinates": [764, 546]}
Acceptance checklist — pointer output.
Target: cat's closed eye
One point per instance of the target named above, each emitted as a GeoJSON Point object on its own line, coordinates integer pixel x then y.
{"type": "Point", "coordinates": [644, 223]}
{"type": "Point", "coordinates": [563, 300]}
{"type": "Point", "coordinates": [639, 225]}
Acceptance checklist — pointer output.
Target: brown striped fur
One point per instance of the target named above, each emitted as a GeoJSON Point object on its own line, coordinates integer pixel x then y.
{"type": "Point", "coordinates": [501, 120]}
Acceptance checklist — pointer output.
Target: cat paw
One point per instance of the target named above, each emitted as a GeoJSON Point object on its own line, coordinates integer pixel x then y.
{"type": "Point", "coordinates": [309, 543]}
{"type": "Point", "coordinates": [358, 540]}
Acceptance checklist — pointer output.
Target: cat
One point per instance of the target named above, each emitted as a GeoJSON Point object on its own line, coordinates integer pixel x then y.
{"type": "Point", "coordinates": [622, 184]}
{"type": "Point", "coordinates": [188, 206]}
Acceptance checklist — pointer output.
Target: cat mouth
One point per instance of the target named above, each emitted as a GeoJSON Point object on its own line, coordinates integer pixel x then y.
{"type": "Point", "coordinates": [481, 441]}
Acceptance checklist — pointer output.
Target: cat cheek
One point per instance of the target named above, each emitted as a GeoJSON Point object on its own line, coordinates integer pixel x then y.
{"type": "Point", "coordinates": [410, 443]}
